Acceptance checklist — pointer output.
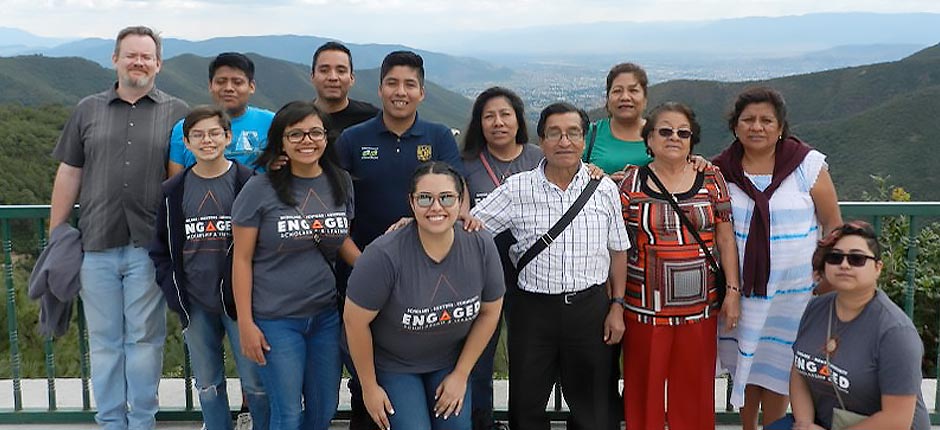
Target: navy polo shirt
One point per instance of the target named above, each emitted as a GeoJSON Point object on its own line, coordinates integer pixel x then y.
{"type": "Point", "coordinates": [381, 164]}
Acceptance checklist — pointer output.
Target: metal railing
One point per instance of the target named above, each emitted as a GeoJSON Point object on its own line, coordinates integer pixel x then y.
{"type": "Point", "coordinates": [37, 216]}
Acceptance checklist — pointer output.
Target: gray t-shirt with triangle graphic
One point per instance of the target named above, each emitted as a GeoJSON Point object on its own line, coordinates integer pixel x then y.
{"type": "Point", "coordinates": [425, 308]}
{"type": "Point", "coordinates": [207, 214]}
{"type": "Point", "coordinates": [291, 278]}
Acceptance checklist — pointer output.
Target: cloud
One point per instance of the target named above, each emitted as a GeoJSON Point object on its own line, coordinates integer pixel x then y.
{"type": "Point", "coordinates": [414, 22]}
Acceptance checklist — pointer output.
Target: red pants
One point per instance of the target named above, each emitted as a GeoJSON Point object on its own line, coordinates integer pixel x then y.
{"type": "Point", "coordinates": [683, 355]}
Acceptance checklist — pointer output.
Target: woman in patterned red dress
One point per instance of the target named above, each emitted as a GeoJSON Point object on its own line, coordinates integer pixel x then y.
{"type": "Point", "coordinates": [671, 298]}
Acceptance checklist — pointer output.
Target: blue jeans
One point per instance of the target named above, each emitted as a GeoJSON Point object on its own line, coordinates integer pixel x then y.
{"type": "Point", "coordinates": [126, 317]}
{"type": "Point", "coordinates": [412, 397]}
{"type": "Point", "coordinates": [204, 339]}
{"type": "Point", "coordinates": [303, 370]}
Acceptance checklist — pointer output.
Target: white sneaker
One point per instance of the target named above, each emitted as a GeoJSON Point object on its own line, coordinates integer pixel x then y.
{"type": "Point", "coordinates": [243, 421]}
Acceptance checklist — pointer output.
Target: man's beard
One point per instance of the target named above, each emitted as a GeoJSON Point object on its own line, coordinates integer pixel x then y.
{"type": "Point", "coordinates": [141, 82]}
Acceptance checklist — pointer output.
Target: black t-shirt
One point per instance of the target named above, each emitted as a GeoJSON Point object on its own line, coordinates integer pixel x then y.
{"type": "Point", "coordinates": [354, 113]}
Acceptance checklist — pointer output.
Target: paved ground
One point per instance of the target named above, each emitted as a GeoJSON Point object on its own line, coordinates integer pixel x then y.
{"type": "Point", "coordinates": [197, 426]}
{"type": "Point", "coordinates": [172, 396]}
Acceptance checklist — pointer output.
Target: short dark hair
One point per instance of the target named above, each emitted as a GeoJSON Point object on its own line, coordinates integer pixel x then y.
{"type": "Point", "coordinates": [330, 46]}
{"type": "Point", "coordinates": [436, 168]}
{"type": "Point", "coordinates": [851, 228]}
{"type": "Point", "coordinates": [202, 112]}
{"type": "Point", "coordinates": [282, 179]}
{"type": "Point", "coordinates": [677, 107]}
{"type": "Point", "coordinates": [139, 30]}
{"type": "Point", "coordinates": [559, 108]}
{"type": "Point", "coordinates": [622, 68]}
{"type": "Point", "coordinates": [234, 60]}
{"type": "Point", "coordinates": [402, 58]}
{"type": "Point", "coordinates": [760, 95]}
{"type": "Point", "coordinates": [473, 141]}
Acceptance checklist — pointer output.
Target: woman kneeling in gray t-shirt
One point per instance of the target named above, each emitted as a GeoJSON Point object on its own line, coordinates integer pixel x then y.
{"type": "Point", "coordinates": [857, 356]}
{"type": "Point", "coordinates": [422, 303]}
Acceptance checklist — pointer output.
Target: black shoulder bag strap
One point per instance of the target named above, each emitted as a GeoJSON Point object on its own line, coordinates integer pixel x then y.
{"type": "Point", "coordinates": [559, 226]}
{"type": "Point", "coordinates": [316, 242]}
{"type": "Point", "coordinates": [685, 221]}
{"type": "Point", "coordinates": [592, 135]}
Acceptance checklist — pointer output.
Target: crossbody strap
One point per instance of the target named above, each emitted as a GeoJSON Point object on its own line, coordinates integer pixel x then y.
{"type": "Point", "coordinates": [489, 170]}
{"type": "Point", "coordinates": [559, 226]}
{"type": "Point", "coordinates": [683, 219]}
{"type": "Point", "coordinates": [829, 347]}
{"type": "Point", "coordinates": [316, 242]}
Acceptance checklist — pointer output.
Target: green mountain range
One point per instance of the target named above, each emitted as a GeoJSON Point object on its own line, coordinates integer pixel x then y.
{"type": "Point", "coordinates": [40, 80]}
{"type": "Point", "coordinates": [443, 68]}
{"type": "Point", "coordinates": [880, 119]}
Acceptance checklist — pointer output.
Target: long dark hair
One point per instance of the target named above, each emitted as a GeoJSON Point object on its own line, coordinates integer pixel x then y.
{"type": "Point", "coordinates": [474, 141]}
{"type": "Point", "coordinates": [282, 179]}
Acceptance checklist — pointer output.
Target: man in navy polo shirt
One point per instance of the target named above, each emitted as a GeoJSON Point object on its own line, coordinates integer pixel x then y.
{"type": "Point", "coordinates": [381, 154]}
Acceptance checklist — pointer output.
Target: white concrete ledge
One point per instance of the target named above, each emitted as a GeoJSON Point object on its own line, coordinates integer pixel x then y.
{"type": "Point", "coordinates": [172, 394]}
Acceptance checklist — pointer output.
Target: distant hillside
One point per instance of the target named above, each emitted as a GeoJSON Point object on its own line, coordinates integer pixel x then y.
{"type": "Point", "coordinates": [14, 41]}
{"type": "Point", "coordinates": [445, 69]}
{"type": "Point", "coordinates": [39, 80]}
{"type": "Point", "coordinates": [876, 119]}
{"type": "Point", "coordinates": [36, 80]}
{"type": "Point", "coordinates": [754, 35]}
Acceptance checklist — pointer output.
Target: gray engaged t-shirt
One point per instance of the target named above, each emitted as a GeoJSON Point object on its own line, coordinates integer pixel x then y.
{"type": "Point", "coordinates": [207, 209]}
{"type": "Point", "coordinates": [425, 308]}
{"type": "Point", "coordinates": [479, 181]}
{"type": "Point", "coordinates": [878, 353]}
{"type": "Point", "coordinates": [290, 277]}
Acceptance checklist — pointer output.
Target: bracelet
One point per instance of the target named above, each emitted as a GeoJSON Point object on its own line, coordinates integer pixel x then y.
{"type": "Point", "coordinates": [733, 288]}
{"type": "Point", "coordinates": [618, 300]}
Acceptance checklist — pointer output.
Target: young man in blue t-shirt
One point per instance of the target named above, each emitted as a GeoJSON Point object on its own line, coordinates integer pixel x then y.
{"type": "Point", "coordinates": [231, 84]}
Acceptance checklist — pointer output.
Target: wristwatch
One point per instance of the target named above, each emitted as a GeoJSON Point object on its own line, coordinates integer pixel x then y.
{"type": "Point", "coordinates": [618, 300]}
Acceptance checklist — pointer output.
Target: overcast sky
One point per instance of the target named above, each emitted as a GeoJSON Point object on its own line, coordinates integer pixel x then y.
{"type": "Point", "coordinates": [408, 22]}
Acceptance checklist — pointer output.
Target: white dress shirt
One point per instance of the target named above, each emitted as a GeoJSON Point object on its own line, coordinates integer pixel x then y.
{"type": "Point", "coordinates": [528, 205]}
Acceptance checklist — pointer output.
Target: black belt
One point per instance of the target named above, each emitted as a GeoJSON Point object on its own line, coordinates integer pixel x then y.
{"type": "Point", "coordinates": [567, 298]}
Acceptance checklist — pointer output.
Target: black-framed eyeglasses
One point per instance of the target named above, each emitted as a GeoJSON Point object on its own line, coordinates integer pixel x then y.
{"type": "Point", "coordinates": [855, 260]}
{"type": "Point", "coordinates": [297, 136]}
{"type": "Point", "coordinates": [667, 132]}
{"type": "Point", "coordinates": [426, 200]}
{"type": "Point", "coordinates": [214, 134]}
{"type": "Point", "coordinates": [572, 135]}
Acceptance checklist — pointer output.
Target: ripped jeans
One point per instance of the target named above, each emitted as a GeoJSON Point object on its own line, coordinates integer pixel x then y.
{"type": "Point", "coordinates": [204, 339]}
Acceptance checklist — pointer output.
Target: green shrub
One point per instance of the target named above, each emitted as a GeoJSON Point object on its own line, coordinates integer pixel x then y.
{"type": "Point", "coordinates": [896, 240]}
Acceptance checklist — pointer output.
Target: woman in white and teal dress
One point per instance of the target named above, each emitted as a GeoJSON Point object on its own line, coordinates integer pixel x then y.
{"type": "Point", "coordinates": [783, 200]}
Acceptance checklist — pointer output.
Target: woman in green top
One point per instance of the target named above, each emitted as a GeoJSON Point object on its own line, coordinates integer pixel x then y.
{"type": "Point", "coordinates": [615, 141]}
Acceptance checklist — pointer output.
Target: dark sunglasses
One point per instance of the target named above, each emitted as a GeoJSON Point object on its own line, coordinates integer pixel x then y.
{"type": "Point", "coordinates": [856, 260]}
{"type": "Point", "coordinates": [425, 200]}
{"type": "Point", "coordinates": [667, 132]}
